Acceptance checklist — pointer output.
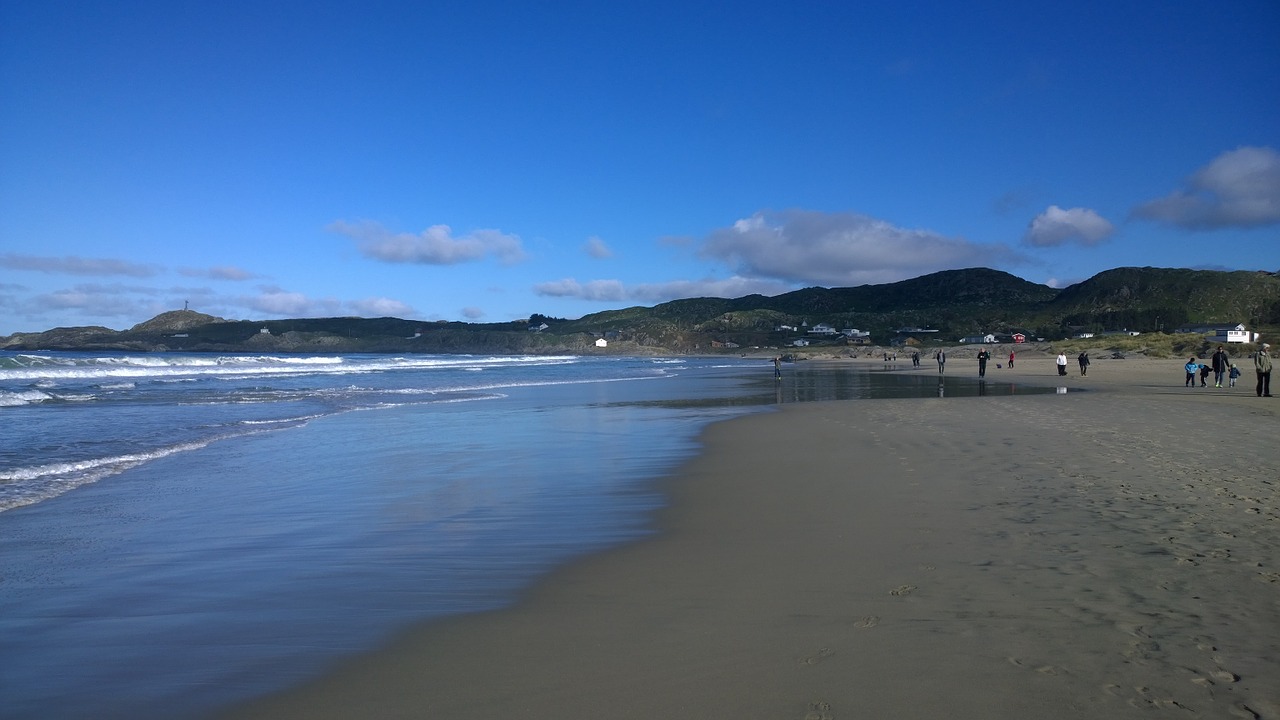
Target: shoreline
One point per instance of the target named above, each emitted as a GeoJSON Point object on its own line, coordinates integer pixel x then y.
{"type": "Point", "coordinates": [1098, 554]}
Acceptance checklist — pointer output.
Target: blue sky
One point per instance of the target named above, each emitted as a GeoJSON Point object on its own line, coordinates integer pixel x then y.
{"type": "Point", "coordinates": [482, 161]}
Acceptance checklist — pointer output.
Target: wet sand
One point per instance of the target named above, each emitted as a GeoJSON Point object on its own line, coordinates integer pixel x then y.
{"type": "Point", "coordinates": [1103, 554]}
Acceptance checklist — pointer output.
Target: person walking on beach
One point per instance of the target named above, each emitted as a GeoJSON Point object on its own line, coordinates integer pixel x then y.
{"type": "Point", "coordinates": [1262, 363]}
{"type": "Point", "coordinates": [983, 356]}
{"type": "Point", "coordinates": [1204, 375]}
{"type": "Point", "coordinates": [941, 357]}
{"type": "Point", "coordinates": [1062, 363]}
{"type": "Point", "coordinates": [1010, 358]}
{"type": "Point", "coordinates": [915, 359]}
{"type": "Point", "coordinates": [777, 368]}
{"type": "Point", "coordinates": [1221, 363]}
{"type": "Point", "coordinates": [1191, 368]}
{"type": "Point", "coordinates": [1084, 363]}
{"type": "Point", "coordinates": [1235, 373]}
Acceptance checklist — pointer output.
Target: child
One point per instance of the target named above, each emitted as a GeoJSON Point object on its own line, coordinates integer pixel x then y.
{"type": "Point", "coordinates": [1235, 373]}
{"type": "Point", "coordinates": [1191, 368]}
{"type": "Point", "coordinates": [1204, 375]}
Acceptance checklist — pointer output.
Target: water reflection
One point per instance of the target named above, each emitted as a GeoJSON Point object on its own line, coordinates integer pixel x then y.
{"type": "Point", "coordinates": [818, 381]}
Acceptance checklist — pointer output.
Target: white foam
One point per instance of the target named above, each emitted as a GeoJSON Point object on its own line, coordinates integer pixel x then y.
{"type": "Point", "coordinates": [173, 368]}
{"type": "Point", "coordinates": [28, 485]}
{"type": "Point", "coordinates": [25, 397]}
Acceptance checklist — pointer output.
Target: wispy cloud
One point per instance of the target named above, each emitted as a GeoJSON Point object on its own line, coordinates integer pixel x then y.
{"type": "Point", "coordinates": [617, 291]}
{"type": "Point", "coordinates": [596, 248]}
{"type": "Point", "coordinates": [1240, 188]}
{"type": "Point", "coordinates": [1056, 226]}
{"type": "Point", "coordinates": [222, 272]}
{"type": "Point", "coordinates": [840, 249]}
{"type": "Point", "coordinates": [380, 307]}
{"type": "Point", "coordinates": [279, 302]}
{"type": "Point", "coordinates": [602, 290]}
{"type": "Point", "coordinates": [437, 245]}
{"type": "Point", "coordinates": [102, 302]}
{"type": "Point", "coordinates": [73, 265]}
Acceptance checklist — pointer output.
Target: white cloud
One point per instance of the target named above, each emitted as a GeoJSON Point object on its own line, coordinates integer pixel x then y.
{"type": "Point", "coordinates": [380, 307]}
{"type": "Point", "coordinates": [772, 253]}
{"type": "Point", "coordinates": [1056, 226]}
{"type": "Point", "coordinates": [597, 248]}
{"type": "Point", "coordinates": [1239, 188]}
{"type": "Point", "coordinates": [96, 301]}
{"type": "Point", "coordinates": [222, 272]}
{"type": "Point", "coordinates": [840, 249]}
{"type": "Point", "coordinates": [278, 302]}
{"type": "Point", "coordinates": [437, 245]}
{"type": "Point", "coordinates": [73, 265]}
{"type": "Point", "coordinates": [472, 313]}
{"type": "Point", "coordinates": [616, 291]}
{"type": "Point", "coordinates": [733, 287]}
{"type": "Point", "coordinates": [291, 304]}
{"type": "Point", "coordinates": [1059, 283]}
{"type": "Point", "coordinates": [603, 290]}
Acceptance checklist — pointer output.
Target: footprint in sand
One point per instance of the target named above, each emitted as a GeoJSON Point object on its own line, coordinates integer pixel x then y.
{"type": "Point", "coordinates": [814, 659]}
{"type": "Point", "coordinates": [1042, 669]}
{"type": "Point", "coordinates": [869, 621]}
{"type": "Point", "coordinates": [1244, 711]}
{"type": "Point", "coordinates": [1224, 676]}
{"type": "Point", "coordinates": [819, 710]}
{"type": "Point", "coordinates": [903, 590]}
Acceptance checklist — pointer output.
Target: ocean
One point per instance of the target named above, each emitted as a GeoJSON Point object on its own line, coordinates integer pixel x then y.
{"type": "Point", "coordinates": [182, 531]}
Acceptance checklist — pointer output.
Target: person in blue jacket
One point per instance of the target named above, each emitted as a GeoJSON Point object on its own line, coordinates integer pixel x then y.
{"type": "Point", "coordinates": [1192, 367]}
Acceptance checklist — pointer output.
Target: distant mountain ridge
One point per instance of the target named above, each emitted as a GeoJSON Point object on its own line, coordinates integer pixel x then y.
{"type": "Point", "coordinates": [956, 303]}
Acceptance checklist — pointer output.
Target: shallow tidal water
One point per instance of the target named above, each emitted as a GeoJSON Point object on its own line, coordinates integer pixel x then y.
{"type": "Point", "coordinates": [246, 562]}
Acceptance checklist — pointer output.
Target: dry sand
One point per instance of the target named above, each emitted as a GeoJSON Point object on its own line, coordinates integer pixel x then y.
{"type": "Point", "coordinates": [1104, 554]}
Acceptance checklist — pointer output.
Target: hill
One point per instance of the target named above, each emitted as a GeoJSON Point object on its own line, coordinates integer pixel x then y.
{"type": "Point", "coordinates": [954, 303]}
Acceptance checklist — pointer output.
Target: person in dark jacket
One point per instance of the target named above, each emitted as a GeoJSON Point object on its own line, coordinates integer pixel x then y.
{"type": "Point", "coordinates": [1221, 364]}
{"type": "Point", "coordinates": [1262, 363]}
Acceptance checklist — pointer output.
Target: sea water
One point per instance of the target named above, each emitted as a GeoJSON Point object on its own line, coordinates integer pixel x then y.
{"type": "Point", "coordinates": [182, 531]}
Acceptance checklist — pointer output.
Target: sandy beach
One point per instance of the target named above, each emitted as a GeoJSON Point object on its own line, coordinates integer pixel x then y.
{"type": "Point", "coordinates": [1113, 553]}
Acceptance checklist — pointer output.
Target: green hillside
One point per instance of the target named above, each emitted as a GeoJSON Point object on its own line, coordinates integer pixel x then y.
{"type": "Point", "coordinates": [955, 303]}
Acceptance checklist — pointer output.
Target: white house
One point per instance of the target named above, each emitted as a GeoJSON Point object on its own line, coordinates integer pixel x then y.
{"type": "Point", "coordinates": [855, 333]}
{"type": "Point", "coordinates": [800, 343]}
{"type": "Point", "coordinates": [823, 329]}
{"type": "Point", "coordinates": [972, 339]}
{"type": "Point", "coordinates": [601, 342]}
{"type": "Point", "coordinates": [1226, 332]}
